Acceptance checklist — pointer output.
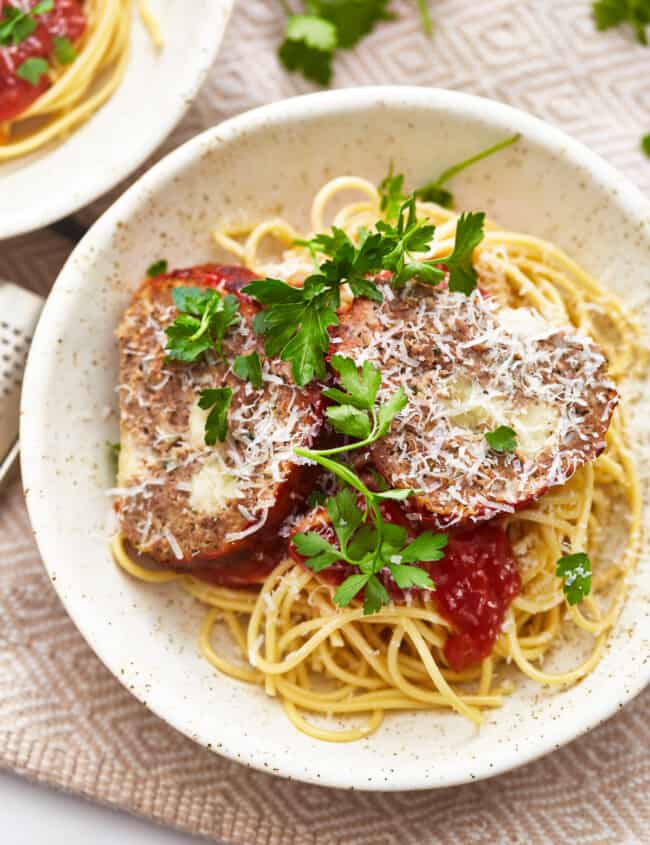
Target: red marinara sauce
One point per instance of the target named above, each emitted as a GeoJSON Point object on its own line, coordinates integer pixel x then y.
{"type": "Point", "coordinates": [475, 581]}
{"type": "Point", "coordinates": [66, 20]}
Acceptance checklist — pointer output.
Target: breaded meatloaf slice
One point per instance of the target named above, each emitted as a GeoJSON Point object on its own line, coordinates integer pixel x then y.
{"type": "Point", "coordinates": [469, 367]}
{"type": "Point", "coordinates": [180, 501]}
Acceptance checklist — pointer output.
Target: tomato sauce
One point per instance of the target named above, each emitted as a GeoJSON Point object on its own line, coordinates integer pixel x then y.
{"type": "Point", "coordinates": [66, 20]}
{"type": "Point", "coordinates": [475, 582]}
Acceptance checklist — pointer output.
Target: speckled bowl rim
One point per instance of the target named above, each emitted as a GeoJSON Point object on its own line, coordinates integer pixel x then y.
{"type": "Point", "coordinates": [192, 73]}
{"type": "Point", "coordinates": [293, 111]}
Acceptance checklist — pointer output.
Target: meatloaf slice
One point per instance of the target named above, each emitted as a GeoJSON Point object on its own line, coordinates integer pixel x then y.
{"type": "Point", "coordinates": [468, 367]}
{"type": "Point", "coordinates": [180, 501]}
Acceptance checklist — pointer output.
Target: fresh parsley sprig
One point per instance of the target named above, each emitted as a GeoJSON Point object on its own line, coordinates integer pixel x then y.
{"type": "Point", "coordinates": [16, 25]}
{"type": "Point", "coordinates": [391, 188]}
{"type": "Point", "coordinates": [354, 412]}
{"type": "Point", "coordinates": [393, 245]}
{"type": "Point", "coordinates": [359, 546]}
{"type": "Point", "coordinates": [366, 540]}
{"type": "Point", "coordinates": [313, 36]}
{"type": "Point", "coordinates": [308, 47]}
{"type": "Point", "coordinates": [205, 317]}
{"type": "Point", "coordinates": [434, 191]}
{"type": "Point", "coordinates": [295, 321]}
{"type": "Point", "coordinates": [575, 571]}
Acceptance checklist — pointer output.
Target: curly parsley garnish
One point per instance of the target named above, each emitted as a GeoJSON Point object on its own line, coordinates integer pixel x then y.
{"type": "Point", "coordinates": [205, 317]}
{"type": "Point", "coordinates": [295, 321]}
{"type": "Point", "coordinates": [502, 439]}
{"type": "Point", "coordinates": [575, 571]}
{"type": "Point", "coordinates": [365, 539]}
{"type": "Point", "coordinates": [312, 38]}
{"type": "Point", "coordinates": [609, 13]}
{"type": "Point", "coordinates": [16, 26]}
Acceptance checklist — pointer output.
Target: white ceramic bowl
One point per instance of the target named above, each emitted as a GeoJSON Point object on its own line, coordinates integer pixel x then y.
{"type": "Point", "coordinates": [266, 162]}
{"type": "Point", "coordinates": [156, 90]}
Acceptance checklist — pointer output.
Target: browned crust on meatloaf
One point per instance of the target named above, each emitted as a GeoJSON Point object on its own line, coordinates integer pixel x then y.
{"type": "Point", "coordinates": [163, 456]}
{"type": "Point", "coordinates": [430, 342]}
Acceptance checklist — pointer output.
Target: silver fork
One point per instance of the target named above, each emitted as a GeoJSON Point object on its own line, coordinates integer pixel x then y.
{"type": "Point", "coordinates": [19, 312]}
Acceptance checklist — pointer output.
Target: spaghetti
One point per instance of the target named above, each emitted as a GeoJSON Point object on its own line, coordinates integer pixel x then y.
{"type": "Point", "coordinates": [323, 661]}
{"type": "Point", "coordinates": [76, 90]}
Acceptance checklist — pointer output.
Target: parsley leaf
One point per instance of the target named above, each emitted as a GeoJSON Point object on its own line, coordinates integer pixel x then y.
{"type": "Point", "coordinates": [218, 400]}
{"type": "Point", "coordinates": [502, 439]}
{"type": "Point", "coordinates": [399, 241]}
{"type": "Point", "coordinates": [318, 552]}
{"type": "Point", "coordinates": [32, 70]}
{"type": "Point", "coordinates": [352, 585]}
{"type": "Point", "coordinates": [609, 13]}
{"type": "Point", "coordinates": [361, 385]}
{"type": "Point", "coordinates": [411, 576]}
{"type": "Point", "coordinates": [295, 322]}
{"type": "Point", "coordinates": [202, 323]}
{"type": "Point", "coordinates": [389, 410]}
{"type": "Point", "coordinates": [346, 419]}
{"type": "Point", "coordinates": [375, 595]}
{"type": "Point", "coordinates": [575, 570]}
{"type": "Point", "coordinates": [434, 192]}
{"type": "Point", "coordinates": [426, 547]}
{"type": "Point", "coordinates": [391, 194]}
{"type": "Point", "coordinates": [158, 268]}
{"type": "Point", "coordinates": [355, 414]}
{"type": "Point", "coordinates": [311, 38]}
{"type": "Point", "coordinates": [645, 144]}
{"type": "Point", "coordinates": [64, 50]}
{"type": "Point", "coordinates": [249, 368]}
{"type": "Point", "coordinates": [16, 25]}
{"type": "Point", "coordinates": [469, 234]}
{"type": "Point", "coordinates": [308, 46]}
{"type": "Point", "coordinates": [345, 514]}
{"type": "Point", "coordinates": [398, 495]}
{"type": "Point", "coordinates": [353, 19]}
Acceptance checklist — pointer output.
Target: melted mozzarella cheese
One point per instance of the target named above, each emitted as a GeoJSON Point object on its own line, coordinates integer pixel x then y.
{"type": "Point", "coordinates": [213, 488]}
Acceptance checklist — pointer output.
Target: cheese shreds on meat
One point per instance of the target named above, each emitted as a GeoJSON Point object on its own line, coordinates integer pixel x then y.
{"type": "Point", "coordinates": [178, 499]}
{"type": "Point", "coordinates": [468, 368]}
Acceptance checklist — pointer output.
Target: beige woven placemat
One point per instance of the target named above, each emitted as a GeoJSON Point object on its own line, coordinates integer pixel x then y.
{"type": "Point", "coordinates": [65, 721]}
